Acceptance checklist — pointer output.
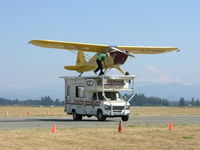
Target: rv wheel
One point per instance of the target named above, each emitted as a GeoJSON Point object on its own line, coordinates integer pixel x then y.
{"type": "Point", "coordinates": [76, 116]}
{"type": "Point", "coordinates": [100, 116]}
{"type": "Point", "coordinates": [125, 118]}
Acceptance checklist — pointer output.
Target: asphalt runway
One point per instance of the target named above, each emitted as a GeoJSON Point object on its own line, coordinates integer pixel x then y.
{"type": "Point", "coordinates": [7, 123]}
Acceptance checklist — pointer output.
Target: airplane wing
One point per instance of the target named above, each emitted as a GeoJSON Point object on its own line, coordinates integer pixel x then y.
{"type": "Point", "coordinates": [100, 48]}
{"type": "Point", "coordinates": [146, 49]}
{"type": "Point", "coordinates": [70, 45]}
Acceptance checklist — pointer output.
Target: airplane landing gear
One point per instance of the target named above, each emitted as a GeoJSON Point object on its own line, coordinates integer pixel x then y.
{"type": "Point", "coordinates": [127, 73]}
{"type": "Point", "coordinates": [80, 74]}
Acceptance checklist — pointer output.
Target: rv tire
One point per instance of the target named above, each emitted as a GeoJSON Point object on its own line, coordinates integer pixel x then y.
{"type": "Point", "coordinates": [76, 116]}
{"type": "Point", "coordinates": [125, 118]}
{"type": "Point", "coordinates": [100, 116]}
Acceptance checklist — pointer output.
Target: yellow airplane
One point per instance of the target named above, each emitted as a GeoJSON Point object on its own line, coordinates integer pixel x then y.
{"type": "Point", "coordinates": [117, 54]}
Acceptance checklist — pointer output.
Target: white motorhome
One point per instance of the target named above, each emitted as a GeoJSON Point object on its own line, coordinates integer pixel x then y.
{"type": "Point", "coordinates": [99, 96]}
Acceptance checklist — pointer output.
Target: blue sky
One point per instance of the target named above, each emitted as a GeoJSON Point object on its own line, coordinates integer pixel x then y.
{"type": "Point", "coordinates": [113, 22]}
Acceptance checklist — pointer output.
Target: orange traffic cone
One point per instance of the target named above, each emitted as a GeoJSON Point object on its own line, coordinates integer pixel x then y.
{"type": "Point", "coordinates": [121, 128]}
{"type": "Point", "coordinates": [54, 129]}
{"type": "Point", "coordinates": [170, 126]}
{"type": "Point", "coordinates": [27, 113]}
{"type": "Point", "coordinates": [47, 113]}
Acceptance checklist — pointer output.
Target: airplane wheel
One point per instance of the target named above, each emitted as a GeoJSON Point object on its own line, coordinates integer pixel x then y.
{"type": "Point", "coordinates": [127, 73]}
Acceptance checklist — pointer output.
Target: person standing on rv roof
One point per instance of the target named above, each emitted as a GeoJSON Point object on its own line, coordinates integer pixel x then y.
{"type": "Point", "coordinates": [100, 60]}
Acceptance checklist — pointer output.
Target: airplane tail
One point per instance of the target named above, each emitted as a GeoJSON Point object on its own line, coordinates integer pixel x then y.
{"type": "Point", "coordinates": [80, 64]}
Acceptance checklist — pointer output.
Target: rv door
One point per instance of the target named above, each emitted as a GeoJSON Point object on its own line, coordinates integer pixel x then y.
{"type": "Point", "coordinates": [67, 98]}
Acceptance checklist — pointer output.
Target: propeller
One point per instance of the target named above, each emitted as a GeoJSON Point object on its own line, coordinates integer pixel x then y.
{"type": "Point", "coordinates": [112, 48]}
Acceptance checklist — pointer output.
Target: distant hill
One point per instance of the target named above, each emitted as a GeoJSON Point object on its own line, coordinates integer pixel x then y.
{"type": "Point", "coordinates": [52, 90]}
{"type": "Point", "coordinates": [171, 91]}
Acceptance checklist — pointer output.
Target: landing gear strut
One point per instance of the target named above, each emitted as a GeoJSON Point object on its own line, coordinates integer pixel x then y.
{"type": "Point", "coordinates": [80, 74]}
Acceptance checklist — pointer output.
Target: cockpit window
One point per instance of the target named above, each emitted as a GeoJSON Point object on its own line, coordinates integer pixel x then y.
{"type": "Point", "coordinates": [100, 96]}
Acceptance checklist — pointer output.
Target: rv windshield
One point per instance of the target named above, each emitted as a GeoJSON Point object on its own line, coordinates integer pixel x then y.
{"type": "Point", "coordinates": [109, 96]}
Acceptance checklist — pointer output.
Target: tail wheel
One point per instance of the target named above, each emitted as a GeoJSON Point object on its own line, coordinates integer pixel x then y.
{"type": "Point", "coordinates": [127, 73]}
{"type": "Point", "coordinates": [100, 116]}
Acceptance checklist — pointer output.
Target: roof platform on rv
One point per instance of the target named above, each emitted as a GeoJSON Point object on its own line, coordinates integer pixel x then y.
{"type": "Point", "coordinates": [103, 83]}
{"type": "Point", "coordinates": [112, 77]}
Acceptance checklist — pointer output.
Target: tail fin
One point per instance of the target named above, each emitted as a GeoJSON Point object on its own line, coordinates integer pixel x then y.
{"type": "Point", "coordinates": [80, 59]}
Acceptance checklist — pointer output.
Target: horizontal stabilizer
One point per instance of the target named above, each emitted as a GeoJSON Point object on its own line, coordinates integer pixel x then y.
{"type": "Point", "coordinates": [80, 68]}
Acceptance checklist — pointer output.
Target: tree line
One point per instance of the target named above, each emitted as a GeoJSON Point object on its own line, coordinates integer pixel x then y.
{"type": "Point", "coordinates": [142, 100]}
{"type": "Point", "coordinates": [44, 101]}
{"type": "Point", "coordinates": [137, 100]}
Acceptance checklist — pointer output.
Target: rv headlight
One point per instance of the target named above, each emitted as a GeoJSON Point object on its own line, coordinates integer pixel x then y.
{"type": "Point", "coordinates": [107, 107]}
{"type": "Point", "coordinates": [127, 106]}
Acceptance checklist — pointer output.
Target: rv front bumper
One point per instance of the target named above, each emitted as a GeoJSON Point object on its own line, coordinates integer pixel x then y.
{"type": "Point", "coordinates": [119, 110]}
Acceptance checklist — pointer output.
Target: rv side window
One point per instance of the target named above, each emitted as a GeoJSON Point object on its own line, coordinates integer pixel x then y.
{"type": "Point", "coordinates": [94, 96]}
{"type": "Point", "coordinates": [68, 91]}
{"type": "Point", "coordinates": [80, 91]}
